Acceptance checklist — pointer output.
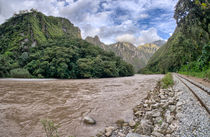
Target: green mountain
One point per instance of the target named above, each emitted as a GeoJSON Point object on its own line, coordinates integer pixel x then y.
{"type": "Point", "coordinates": [137, 56]}
{"type": "Point", "coordinates": [35, 45]}
{"type": "Point", "coordinates": [188, 49]}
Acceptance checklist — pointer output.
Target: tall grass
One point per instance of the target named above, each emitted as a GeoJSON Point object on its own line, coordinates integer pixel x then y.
{"type": "Point", "coordinates": [167, 81]}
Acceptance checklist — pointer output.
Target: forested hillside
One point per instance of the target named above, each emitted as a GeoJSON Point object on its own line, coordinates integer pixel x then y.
{"type": "Point", "coordinates": [188, 49]}
{"type": "Point", "coordinates": [35, 45]}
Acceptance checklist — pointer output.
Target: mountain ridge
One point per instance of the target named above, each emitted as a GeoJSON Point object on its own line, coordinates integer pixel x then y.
{"type": "Point", "coordinates": [136, 56]}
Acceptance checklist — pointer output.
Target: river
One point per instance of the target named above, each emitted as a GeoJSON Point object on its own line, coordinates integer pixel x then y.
{"type": "Point", "coordinates": [23, 103]}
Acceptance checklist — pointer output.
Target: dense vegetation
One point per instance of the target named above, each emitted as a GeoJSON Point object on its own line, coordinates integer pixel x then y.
{"type": "Point", "coordinates": [188, 48]}
{"type": "Point", "coordinates": [34, 45]}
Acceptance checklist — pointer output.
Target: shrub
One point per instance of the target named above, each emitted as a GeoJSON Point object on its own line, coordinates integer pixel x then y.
{"type": "Point", "coordinates": [20, 73]}
{"type": "Point", "coordinates": [167, 81]}
{"type": "Point", "coordinates": [207, 74]}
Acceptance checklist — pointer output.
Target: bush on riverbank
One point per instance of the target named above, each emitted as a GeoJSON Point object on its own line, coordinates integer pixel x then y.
{"type": "Point", "coordinates": [167, 81]}
{"type": "Point", "coordinates": [20, 73]}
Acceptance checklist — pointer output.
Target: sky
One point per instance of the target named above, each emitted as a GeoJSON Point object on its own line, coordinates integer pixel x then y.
{"type": "Point", "coordinates": [135, 21]}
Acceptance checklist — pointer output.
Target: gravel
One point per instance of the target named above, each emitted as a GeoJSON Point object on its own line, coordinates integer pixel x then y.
{"type": "Point", "coordinates": [193, 118]}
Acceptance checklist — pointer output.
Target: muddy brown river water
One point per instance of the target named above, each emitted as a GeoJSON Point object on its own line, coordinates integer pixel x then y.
{"type": "Point", "coordinates": [23, 103]}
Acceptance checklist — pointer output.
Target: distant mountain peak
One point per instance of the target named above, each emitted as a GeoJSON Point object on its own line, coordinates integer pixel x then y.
{"type": "Point", "coordinates": [96, 41]}
{"type": "Point", "coordinates": [159, 42]}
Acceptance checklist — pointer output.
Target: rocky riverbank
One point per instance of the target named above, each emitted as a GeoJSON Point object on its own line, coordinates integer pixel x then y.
{"type": "Point", "coordinates": [155, 116]}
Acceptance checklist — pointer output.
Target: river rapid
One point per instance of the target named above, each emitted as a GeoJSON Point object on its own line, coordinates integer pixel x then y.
{"type": "Point", "coordinates": [23, 103]}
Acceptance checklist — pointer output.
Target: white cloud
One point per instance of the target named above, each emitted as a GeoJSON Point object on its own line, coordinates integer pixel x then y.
{"type": "Point", "coordinates": [148, 36]}
{"type": "Point", "coordinates": [126, 38]}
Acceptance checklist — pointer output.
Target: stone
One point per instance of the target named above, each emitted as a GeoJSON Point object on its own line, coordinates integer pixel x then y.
{"type": "Point", "coordinates": [171, 94]}
{"type": "Point", "coordinates": [139, 113]}
{"type": "Point", "coordinates": [172, 108]}
{"type": "Point", "coordinates": [154, 106]}
{"type": "Point", "coordinates": [125, 124]}
{"type": "Point", "coordinates": [169, 118]}
{"type": "Point", "coordinates": [89, 120]}
{"type": "Point", "coordinates": [158, 120]}
{"type": "Point", "coordinates": [108, 131]}
{"type": "Point", "coordinates": [162, 97]}
{"type": "Point", "coordinates": [171, 101]}
{"type": "Point", "coordinates": [121, 134]}
{"type": "Point", "coordinates": [132, 123]}
{"type": "Point", "coordinates": [172, 127]}
{"type": "Point", "coordinates": [146, 126]}
{"type": "Point", "coordinates": [163, 128]}
{"type": "Point", "coordinates": [167, 135]}
{"type": "Point", "coordinates": [120, 122]}
{"type": "Point", "coordinates": [146, 105]}
{"type": "Point", "coordinates": [135, 135]}
{"type": "Point", "coordinates": [178, 104]}
{"type": "Point", "coordinates": [100, 134]}
{"type": "Point", "coordinates": [135, 109]}
{"type": "Point", "coordinates": [153, 113]}
{"type": "Point", "coordinates": [157, 134]}
{"type": "Point", "coordinates": [147, 101]}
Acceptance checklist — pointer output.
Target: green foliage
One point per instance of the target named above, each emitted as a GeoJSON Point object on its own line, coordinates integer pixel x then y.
{"type": "Point", "coordinates": [207, 74]}
{"type": "Point", "coordinates": [167, 81]}
{"type": "Point", "coordinates": [19, 73]}
{"type": "Point", "coordinates": [51, 47]}
{"type": "Point", "coordinates": [63, 58]}
{"type": "Point", "coordinates": [50, 128]}
{"type": "Point", "coordinates": [199, 68]}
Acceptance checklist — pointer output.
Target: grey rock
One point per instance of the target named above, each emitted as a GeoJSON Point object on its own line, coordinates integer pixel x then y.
{"type": "Point", "coordinates": [172, 108]}
{"type": "Point", "coordinates": [155, 105]}
{"type": "Point", "coordinates": [147, 126]}
{"type": "Point", "coordinates": [139, 113]}
{"type": "Point", "coordinates": [157, 134]}
{"type": "Point", "coordinates": [89, 120]}
{"type": "Point", "coordinates": [121, 134]}
{"type": "Point", "coordinates": [163, 128]}
{"type": "Point", "coordinates": [135, 135]}
{"type": "Point", "coordinates": [168, 116]}
{"type": "Point", "coordinates": [132, 123]}
{"type": "Point", "coordinates": [108, 131]}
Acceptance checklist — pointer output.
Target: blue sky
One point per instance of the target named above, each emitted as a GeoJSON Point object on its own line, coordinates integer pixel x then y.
{"type": "Point", "coordinates": [135, 21]}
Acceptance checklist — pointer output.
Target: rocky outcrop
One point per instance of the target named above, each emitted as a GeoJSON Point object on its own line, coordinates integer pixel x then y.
{"type": "Point", "coordinates": [96, 41]}
{"type": "Point", "coordinates": [149, 48]}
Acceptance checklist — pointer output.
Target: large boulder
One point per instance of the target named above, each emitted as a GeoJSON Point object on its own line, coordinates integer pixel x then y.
{"type": "Point", "coordinates": [89, 120]}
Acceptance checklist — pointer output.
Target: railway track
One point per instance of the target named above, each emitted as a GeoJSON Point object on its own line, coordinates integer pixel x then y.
{"type": "Point", "coordinates": [200, 93]}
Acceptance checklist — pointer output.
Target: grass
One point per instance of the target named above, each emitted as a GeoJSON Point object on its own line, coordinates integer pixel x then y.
{"type": "Point", "coordinates": [50, 128]}
{"type": "Point", "coordinates": [167, 81]}
{"type": "Point", "coordinates": [202, 74]}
